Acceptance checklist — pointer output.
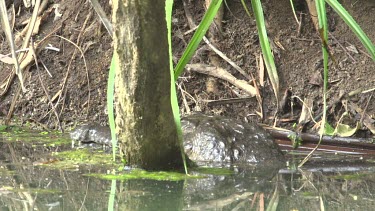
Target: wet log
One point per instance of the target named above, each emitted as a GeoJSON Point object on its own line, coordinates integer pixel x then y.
{"type": "Point", "coordinates": [363, 145]}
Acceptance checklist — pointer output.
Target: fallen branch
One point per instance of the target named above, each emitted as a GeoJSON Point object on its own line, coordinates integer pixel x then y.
{"type": "Point", "coordinates": [222, 74]}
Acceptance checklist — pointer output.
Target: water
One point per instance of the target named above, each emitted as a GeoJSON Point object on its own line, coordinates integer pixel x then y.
{"type": "Point", "coordinates": [35, 175]}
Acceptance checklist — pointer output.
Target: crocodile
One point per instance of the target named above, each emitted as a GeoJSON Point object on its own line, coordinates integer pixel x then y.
{"type": "Point", "coordinates": [207, 139]}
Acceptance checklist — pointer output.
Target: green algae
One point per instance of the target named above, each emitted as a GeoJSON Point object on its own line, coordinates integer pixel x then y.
{"type": "Point", "coordinates": [59, 147]}
{"type": "Point", "coordinates": [142, 174]}
{"type": "Point", "coordinates": [309, 194]}
{"type": "Point", "coordinates": [200, 172]}
{"type": "Point", "coordinates": [74, 158]}
{"type": "Point", "coordinates": [44, 138]}
{"type": "Point", "coordinates": [83, 155]}
{"type": "Point", "coordinates": [6, 172]}
{"type": "Point", "coordinates": [214, 171]}
{"type": "Point", "coordinates": [30, 190]}
{"type": "Point", "coordinates": [5, 129]}
{"type": "Point", "coordinates": [356, 176]}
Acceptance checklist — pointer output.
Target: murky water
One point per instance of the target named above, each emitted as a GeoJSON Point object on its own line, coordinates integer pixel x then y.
{"type": "Point", "coordinates": [36, 175]}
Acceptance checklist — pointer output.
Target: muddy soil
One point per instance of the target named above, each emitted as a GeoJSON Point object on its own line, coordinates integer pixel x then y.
{"type": "Point", "coordinates": [77, 83]}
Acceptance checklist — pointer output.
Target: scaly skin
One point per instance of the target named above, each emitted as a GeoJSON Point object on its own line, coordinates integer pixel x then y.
{"type": "Point", "coordinates": [208, 139]}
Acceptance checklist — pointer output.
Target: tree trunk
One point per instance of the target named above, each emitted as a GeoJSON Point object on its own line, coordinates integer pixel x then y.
{"type": "Point", "coordinates": [146, 130]}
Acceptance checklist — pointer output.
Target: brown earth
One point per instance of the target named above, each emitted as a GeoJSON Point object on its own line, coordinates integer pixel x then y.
{"type": "Point", "coordinates": [79, 93]}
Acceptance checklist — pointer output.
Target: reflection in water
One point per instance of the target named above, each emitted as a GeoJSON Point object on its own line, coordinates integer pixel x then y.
{"type": "Point", "coordinates": [341, 184]}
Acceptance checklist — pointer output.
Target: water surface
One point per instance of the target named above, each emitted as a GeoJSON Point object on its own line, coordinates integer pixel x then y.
{"type": "Point", "coordinates": [35, 174]}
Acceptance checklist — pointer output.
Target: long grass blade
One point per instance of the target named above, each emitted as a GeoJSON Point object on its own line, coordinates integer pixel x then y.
{"type": "Point", "coordinates": [112, 195]}
{"type": "Point", "coordinates": [274, 201]}
{"type": "Point", "coordinates": [323, 30]}
{"type": "Point", "coordinates": [197, 37]}
{"type": "Point", "coordinates": [245, 8]}
{"type": "Point", "coordinates": [266, 49]}
{"type": "Point", "coordinates": [174, 100]}
{"type": "Point", "coordinates": [353, 26]}
{"type": "Point", "coordinates": [294, 11]}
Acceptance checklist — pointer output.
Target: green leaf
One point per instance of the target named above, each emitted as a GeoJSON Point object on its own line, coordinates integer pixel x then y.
{"type": "Point", "coordinates": [3, 127]}
{"type": "Point", "coordinates": [296, 140]}
{"type": "Point", "coordinates": [344, 130]}
{"type": "Point", "coordinates": [328, 129]}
